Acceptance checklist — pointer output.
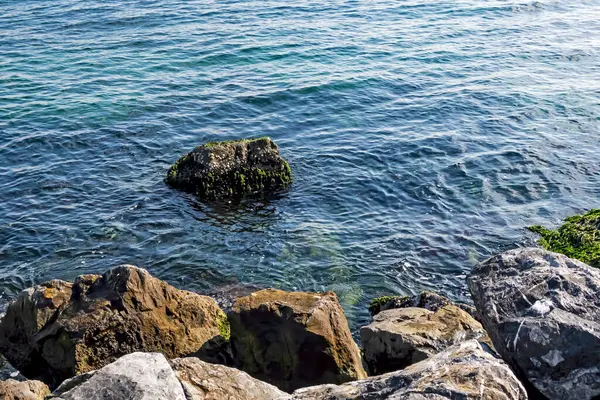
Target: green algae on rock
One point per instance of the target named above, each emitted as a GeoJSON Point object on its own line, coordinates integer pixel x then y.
{"type": "Point", "coordinates": [578, 237]}
{"type": "Point", "coordinates": [231, 169]}
{"type": "Point", "coordinates": [377, 303]}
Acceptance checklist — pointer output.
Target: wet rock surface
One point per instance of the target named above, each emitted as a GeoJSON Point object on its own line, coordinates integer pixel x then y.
{"type": "Point", "coordinates": [464, 371]}
{"type": "Point", "coordinates": [294, 339]}
{"type": "Point", "coordinates": [400, 337]}
{"type": "Point", "coordinates": [231, 169]}
{"type": "Point", "coordinates": [542, 312]}
{"type": "Point", "coordinates": [59, 329]}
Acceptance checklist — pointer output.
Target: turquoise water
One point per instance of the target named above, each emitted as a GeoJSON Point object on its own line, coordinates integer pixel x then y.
{"type": "Point", "coordinates": [423, 136]}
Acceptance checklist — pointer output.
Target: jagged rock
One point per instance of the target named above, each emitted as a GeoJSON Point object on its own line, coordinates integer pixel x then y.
{"type": "Point", "coordinates": [204, 381]}
{"type": "Point", "coordinates": [295, 339]}
{"type": "Point", "coordinates": [465, 371]}
{"type": "Point", "coordinates": [58, 329]}
{"type": "Point", "coordinates": [27, 390]}
{"type": "Point", "coordinates": [428, 300]}
{"type": "Point", "coordinates": [136, 376]}
{"type": "Point", "coordinates": [231, 169]}
{"type": "Point", "coordinates": [400, 337]}
{"type": "Point", "coordinates": [542, 311]}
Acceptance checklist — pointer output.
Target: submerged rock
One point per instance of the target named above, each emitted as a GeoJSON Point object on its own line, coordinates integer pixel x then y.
{"type": "Point", "coordinates": [27, 390]}
{"type": "Point", "coordinates": [226, 295]}
{"type": "Point", "coordinates": [542, 311]}
{"type": "Point", "coordinates": [205, 381]}
{"type": "Point", "coordinates": [294, 339]}
{"type": "Point", "coordinates": [578, 237]}
{"type": "Point", "coordinates": [400, 337]}
{"type": "Point", "coordinates": [136, 376]}
{"type": "Point", "coordinates": [464, 371]}
{"type": "Point", "coordinates": [59, 329]}
{"type": "Point", "coordinates": [231, 169]}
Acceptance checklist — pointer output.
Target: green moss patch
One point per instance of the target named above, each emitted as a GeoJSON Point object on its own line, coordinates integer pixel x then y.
{"type": "Point", "coordinates": [173, 171]}
{"type": "Point", "coordinates": [382, 300]}
{"type": "Point", "coordinates": [226, 142]}
{"type": "Point", "coordinates": [578, 237]}
{"type": "Point", "coordinates": [224, 327]}
{"type": "Point", "coordinates": [379, 302]}
{"type": "Point", "coordinates": [243, 182]}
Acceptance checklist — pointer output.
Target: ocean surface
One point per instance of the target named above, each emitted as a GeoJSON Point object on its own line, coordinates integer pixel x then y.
{"type": "Point", "coordinates": [423, 136]}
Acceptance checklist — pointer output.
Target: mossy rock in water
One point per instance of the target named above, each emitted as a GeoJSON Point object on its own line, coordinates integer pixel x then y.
{"type": "Point", "coordinates": [237, 168]}
{"type": "Point", "coordinates": [578, 237]}
{"type": "Point", "coordinates": [383, 303]}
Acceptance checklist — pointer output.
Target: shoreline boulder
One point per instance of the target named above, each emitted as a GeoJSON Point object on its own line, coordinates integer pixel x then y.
{"type": "Point", "coordinates": [58, 329]}
{"type": "Point", "coordinates": [237, 168]}
{"type": "Point", "coordinates": [400, 337]}
{"type": "Point", "coordinates": [294, 339]}
{"type": "Point", "coordinates": [542, 312]}
{"type": "Point", "coordinates": [205, 381]}
{"type": "Point", "coordinates": [465, 371]}
{"type": "Point", "coordinates": [149, 376]}
{"type": "Point", "coordinates": [135, 376]}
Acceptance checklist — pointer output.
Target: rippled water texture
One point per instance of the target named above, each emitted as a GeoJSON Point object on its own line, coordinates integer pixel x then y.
{"type": "Point", "coordinates": [423, 136]}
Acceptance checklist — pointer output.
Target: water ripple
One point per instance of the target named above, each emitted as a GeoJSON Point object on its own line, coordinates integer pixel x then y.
{"type": "Point", "coordinates": [423, 136]}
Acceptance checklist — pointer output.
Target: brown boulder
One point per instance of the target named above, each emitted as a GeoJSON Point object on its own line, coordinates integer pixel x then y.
{"type": "Point", "coordinates": [28, 390]}
{"type": "Point", "coordinates": [400, 337]}
{"type": "Point", "coordinates": [292, 340]}
{"type": "Point", "coordinates": [59, 329]}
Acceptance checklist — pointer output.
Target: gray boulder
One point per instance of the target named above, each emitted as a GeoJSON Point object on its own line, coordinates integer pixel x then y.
{"type": "Point", "coordinates": [28, 390]}
{"type": "Point", "coordinates": [465, 371]}
{"type": "Point", "coordinates": [542, 312]}
{"type": "Point", "coordinates": [400, 337]}
{"type": "Point", "coordinates": [205, 381]}
{"type": "Point", "coordinates": [136, 376]}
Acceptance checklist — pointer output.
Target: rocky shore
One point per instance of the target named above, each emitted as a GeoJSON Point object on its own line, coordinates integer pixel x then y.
{"type": "Point", "coordinates": [534, 332]}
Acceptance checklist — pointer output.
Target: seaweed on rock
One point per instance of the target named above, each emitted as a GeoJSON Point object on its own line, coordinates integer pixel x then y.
{"type": "Point", "coordinates": [231, 169]}
{"type": "Point", "coordinates": [578, 237]}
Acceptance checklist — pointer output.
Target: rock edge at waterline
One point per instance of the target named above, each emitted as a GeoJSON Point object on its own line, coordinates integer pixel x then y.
{"type": "Point", "coordinates": [59, 329]}
{"type": "Point", "coordinates": [542, 312]}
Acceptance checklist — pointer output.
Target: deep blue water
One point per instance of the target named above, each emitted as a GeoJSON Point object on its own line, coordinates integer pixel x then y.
{"type": "Point", "coordinates": [423, 136]}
